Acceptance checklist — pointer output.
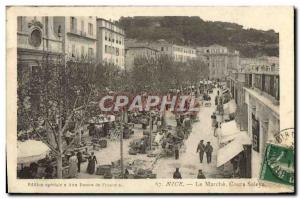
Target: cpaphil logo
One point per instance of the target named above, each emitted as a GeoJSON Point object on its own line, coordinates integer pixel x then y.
{"type": "Point", "coordinates": [147, 103]}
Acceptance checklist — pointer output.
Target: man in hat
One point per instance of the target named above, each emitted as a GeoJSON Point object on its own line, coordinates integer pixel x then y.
{"type": "Point", "coordinates": [200, 174]}
{"type": "Point", "coordinates": [208, 150]}
{"type": "Point", "coordinates": [177, 174]}
{"type": "Point", "coordinates": [201, 149]}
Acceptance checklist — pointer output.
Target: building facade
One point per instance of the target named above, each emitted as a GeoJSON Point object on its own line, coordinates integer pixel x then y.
{"type": "Point", "coordinates": [220, 60]}
{"type": "Point", "coordinates": [179, 53]}
{"type": "Point", "coordinates": [139, 51]}
{"type": "Point", "coordinates": [36, 38]}
{"type": "Point", "coordinates": [110, 44]}
{"type": "Point", "coordinates": [80, 37]}
{"type": "Point", "coordinates": [255, 87]}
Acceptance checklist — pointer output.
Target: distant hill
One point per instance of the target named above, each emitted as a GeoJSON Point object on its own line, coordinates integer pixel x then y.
{"type": "Point", "coordinates": [197, 32]}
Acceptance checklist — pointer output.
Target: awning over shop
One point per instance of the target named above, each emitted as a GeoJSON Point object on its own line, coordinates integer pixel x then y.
{"type": "Point", "coordinates": [233, 148]}
{"type": "Point", "coordinates": [229, 107]}
{"type": "Point", "coordinates": [241, 136]}
{"type": "Point", "coordinates": [228, 152]}
{"type": "Point", "coordinates": [229, 128]}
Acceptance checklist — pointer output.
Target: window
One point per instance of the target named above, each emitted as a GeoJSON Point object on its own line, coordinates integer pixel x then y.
{"type": "Point", "coordinates": [113, 37]}
{"type": "Point", "coordinates": [105, 33]}
{"type": "Point", "coordinates": [263, 86]}
{"type": "Point", "coordinates": [73, 25]}
{"type": "Point", "coordinates": [276, 87]}
{"type": "Point", "coordinates": [117, 52]}
{"type": "Point", "coordinates": [271, 85]}
{"type": "Point", "coordinates": [82, 52]}
{"type": "Point", "coordinates": [258, 81]}
{"type": "Point", "coordinates": [90, 30]}
{"type": "Point", "coordinates": [106, 49]}
{"type": "Point", "coordinates": [35, 38]}
{"type": "Point", "coordinates": [91, 53]}
{"type": "Point", "coordinates": [82, 27]}
{"type": "Point", "coordinates": [162, 48]}
{"type": "Point", "coordinates": [73, 50]}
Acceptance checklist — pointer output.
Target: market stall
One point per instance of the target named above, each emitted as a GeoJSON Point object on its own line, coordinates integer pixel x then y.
{"type": "Point", "coordinates": [31, 151]}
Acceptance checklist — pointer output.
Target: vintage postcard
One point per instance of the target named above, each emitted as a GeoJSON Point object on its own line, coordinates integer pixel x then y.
{"type": "Point", "coordinates": [153, 100]}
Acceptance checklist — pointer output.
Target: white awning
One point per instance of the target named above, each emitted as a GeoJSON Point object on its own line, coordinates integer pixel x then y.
{"type": "Point", "coordinates": [241, 136]}
{"type": "Point", "coordinates": [228, 152]}
{"type": "Point", "coordinates": [233, 148]}
{"type": "Point", "coordinates": [229, 107]}
{"type": "Point", "coordinates": [229, 128]}
{"type": "Point", "coordinates": [31, 151]}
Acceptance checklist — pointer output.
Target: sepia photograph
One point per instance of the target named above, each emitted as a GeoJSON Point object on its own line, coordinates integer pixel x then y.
{"type": "Point", "coordinates": [154, 98]}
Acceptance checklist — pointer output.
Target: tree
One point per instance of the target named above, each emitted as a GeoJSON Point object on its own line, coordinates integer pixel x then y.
{"type": "Point", "coordinates": [54, 98]}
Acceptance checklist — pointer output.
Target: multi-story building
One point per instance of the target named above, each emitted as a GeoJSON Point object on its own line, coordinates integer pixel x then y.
{"type": "Point", "coordinates": [220, 60]}
{"type": "Point", "coordinates": [179, 53]}
{"type": "Point", "coordinates": [80, 37]}
{"type": "Point", "coordinates": [255, 88]}
{"type": "Point", "coordinates": [138, 50]}
{"type": "Point", "coordinates": [110, 44]}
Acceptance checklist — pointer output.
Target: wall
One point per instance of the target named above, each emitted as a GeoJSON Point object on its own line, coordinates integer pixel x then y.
{"type": "Point", "coordinates": [268, 126]}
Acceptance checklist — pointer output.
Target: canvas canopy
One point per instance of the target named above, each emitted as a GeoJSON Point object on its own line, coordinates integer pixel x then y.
{"type": "Point", "coordinates": [233, 148]}
{"type": "Point", "coordinates": [229, 128]}
{"type": "Point", "coordinates": [241, 136]}
{"type": "Point", "coordinates": [31, 151]}
{"type": "Point", "coordinates": [228, 152]}
{"type": "Point", "coordinates": [229, 107]}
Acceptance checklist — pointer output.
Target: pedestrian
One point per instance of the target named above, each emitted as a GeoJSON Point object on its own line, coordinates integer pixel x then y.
{"type": "Point", "coordinates": [200, 175]}
{"type": "Point", "coordinates": [73, 165]}
{"type": "Point", "coordinates": [177, 174]}
{"type": "Point", "coordinates": [215, 129]}
{"type": "Point", "coordinates": [208, 150]}
{"type": "Point", "coordinates": [79, 158]}
{"type": "Point", "coordinates": [92, 164]}
{"type": "Point", "coordinates": [176, 150]}
{"type": "Point", "coordinates": [201, 149]}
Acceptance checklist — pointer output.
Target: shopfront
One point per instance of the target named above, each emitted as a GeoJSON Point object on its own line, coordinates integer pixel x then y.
{"type": "Point", "coordinates": [263, 123]}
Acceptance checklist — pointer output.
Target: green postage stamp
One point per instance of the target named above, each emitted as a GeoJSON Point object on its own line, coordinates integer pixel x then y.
{"type": "Point", "coordinates": [278, 165]}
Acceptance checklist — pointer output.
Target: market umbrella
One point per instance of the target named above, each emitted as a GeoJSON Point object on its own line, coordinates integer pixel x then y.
{"type": "Point", "coordinates": [31, 151]}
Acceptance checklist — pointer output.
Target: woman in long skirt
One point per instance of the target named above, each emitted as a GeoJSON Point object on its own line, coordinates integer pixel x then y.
{"type": "Point", "coordinates": [73, 166]}
{"type": "Point", "coordinates": [92, 164]}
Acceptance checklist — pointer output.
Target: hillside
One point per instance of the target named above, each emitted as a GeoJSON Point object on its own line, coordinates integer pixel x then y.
{"type": "Point", "coordinates": [195, 31]}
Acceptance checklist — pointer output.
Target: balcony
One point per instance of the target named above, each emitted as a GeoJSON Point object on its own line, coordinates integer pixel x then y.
{"type": "Point", "coordinates": [82, 34]}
